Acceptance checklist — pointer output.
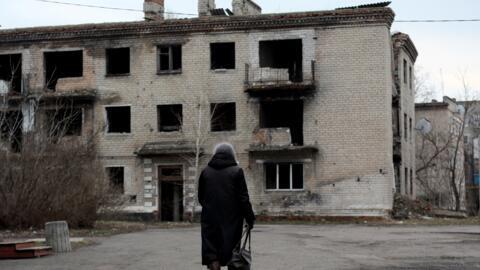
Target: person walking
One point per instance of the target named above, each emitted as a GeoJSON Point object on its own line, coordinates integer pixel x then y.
{"type": "Point", "coordinates": [223, 195]}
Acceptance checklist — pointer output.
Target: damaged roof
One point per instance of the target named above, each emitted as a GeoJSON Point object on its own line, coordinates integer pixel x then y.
{"type": "Point", "coordinates": [372, 15]}
{"type": "Point", "coordinates": [373, 5]}
{"type": "Point", "coordinates": [403, 40]}
{"type": "Point", "coordinates": [167, 148]}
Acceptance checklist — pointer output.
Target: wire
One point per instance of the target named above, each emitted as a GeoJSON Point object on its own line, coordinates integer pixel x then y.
{"type": "Point", "coordinates": [436, 21]}
{"type": "Point", "coordinates": [111, 8]}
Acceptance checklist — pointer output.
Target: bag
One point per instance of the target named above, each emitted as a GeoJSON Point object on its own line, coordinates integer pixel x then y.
{"type": "Point", "coordinates": [241, 257]}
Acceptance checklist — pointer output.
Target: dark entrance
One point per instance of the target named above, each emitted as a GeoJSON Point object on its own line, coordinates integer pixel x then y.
{"type": "Point", "coordinates": [170, 181]}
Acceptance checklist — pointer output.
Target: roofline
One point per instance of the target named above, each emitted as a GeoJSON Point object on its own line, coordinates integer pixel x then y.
{"type": "Point", "coordinates": [204, 24]}
{"type": "Point", "coordinates": [402, 40]}
{"type": "Point", "coordinates": [431, 105]}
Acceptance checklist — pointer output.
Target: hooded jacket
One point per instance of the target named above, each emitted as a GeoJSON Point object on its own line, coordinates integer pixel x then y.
{"type": "Point", "coordinates": [223, 194]}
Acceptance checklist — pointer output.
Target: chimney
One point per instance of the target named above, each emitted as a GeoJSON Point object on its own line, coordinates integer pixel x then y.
{"type": "Point", "coordinates": [205, 6]}
{"type": "Point", "coordinates": [245, 8]}
{"type": "Point", "coordinates": [154, 10]}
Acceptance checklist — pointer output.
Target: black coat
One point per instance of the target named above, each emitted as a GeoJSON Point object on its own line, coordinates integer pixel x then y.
{"type": "Point", "coordinates": [223, 194]}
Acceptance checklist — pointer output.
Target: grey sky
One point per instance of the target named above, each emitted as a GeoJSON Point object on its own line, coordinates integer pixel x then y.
{"type": "Point", "coordinates": [447, 50]}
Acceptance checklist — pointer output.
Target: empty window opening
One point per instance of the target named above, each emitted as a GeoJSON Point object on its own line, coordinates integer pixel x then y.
{"type": "Point", "coordinates": [118, 61]}
{"type": "Point", "coordinates": [284, 176]}
{"type": "Point", "coordinates": [170, 118]}
{"type": "Point", "coordinates": [62, 65]}
{"type": "Point", "coordinates": [116, 177]}
{"type": "Point", "coordinates": [283, 54]}
{"type": "Point", "coordinates": [223, 117]}
{"type": "Point", "coordinates": [411, 78]}
{"type": "Point", "coordinates": [405, 127]}
{"type": "Point", "coordinates": [118, 119]}
{"type": "Point", "coordinates": [405, 72]}
{"type": "Point", "coordinates": [406, 181]}
{"type": "Point", "coordinates": [65, 122]}
{"type": "Point", "coordinates": [222, 55]}
{"type": "Point", "coordinates": [411, 129]}
{"type": "Point", "coordinates": [11, 72]}
{"type": "Point", "coordinates": [11, 134]}
{"type": "Point", "coordinates": [411, 182]}
{"type": "Point", "coordinates": [169, 58]}
{"type": "Point", "coordinates": [284, 114]}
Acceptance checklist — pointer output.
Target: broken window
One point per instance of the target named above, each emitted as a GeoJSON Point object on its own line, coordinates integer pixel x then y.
{"type": "Point", "coordinates": [223, 116]}
{"type": "Point", "coordinates": [283, 54]}
{"type": "Point", "coordinates": [11, 72]}
{"type": "Point", "coordinates": [118, 61]}
{"type": "Point", "coordinates": [169, 58]}
{"type": "Point", "coordinates": [284, 176]}
{"type": "Point", "coordinates": [284, 114]}
{"type": "Point", "coordinates": [170, 118]}
{"type": "Point", "coordinates": [118, 119]}
{"type": "Point", "coordinates": [116, 177]}
{"type": "Point", "coordinates": [65, 122]}
{"type": "Point", "coordinates": [222, 55]}
{"type": "Point", "coordinates": [63, 64]}
{"type": "Point", "coordinates": [405, 72]}
{"type": "Point", "coordinates": [11, 134]}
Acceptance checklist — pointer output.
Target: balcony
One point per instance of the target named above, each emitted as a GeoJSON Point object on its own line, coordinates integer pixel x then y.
{"type": "Point", "coordinates": [277, 140]}
{"type": "Point", "coordinates": [274, 82]}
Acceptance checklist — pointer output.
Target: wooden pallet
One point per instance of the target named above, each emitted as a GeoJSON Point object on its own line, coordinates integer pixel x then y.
{"type": "Point", "coordinates": [23, 250]}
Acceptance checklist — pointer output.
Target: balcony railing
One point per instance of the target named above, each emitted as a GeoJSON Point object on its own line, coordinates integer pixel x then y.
{"type": "Point", "coordinates": [275, 81]}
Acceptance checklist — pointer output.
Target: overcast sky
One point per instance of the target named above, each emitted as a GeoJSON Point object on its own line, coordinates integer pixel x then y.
{"type": "Point", "coordinates": [447, 50]}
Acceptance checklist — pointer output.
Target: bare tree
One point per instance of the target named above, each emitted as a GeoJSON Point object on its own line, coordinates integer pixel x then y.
{"type": "Point", "coordinates": [424, 89]}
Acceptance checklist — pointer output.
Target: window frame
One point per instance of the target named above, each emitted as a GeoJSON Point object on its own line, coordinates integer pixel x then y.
{"type": "Point", "coordinates": [277, 170]}
{"type": "Point", "coordinates": [170, 69]}
{"type": "Point", "coordinates": [107, 122]}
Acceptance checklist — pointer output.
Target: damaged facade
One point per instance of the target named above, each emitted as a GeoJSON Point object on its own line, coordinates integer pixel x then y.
{"type": "Point", "coordinates": [306, 98]}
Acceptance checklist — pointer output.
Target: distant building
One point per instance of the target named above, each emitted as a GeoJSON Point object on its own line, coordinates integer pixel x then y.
{"type": "Point", "coordinates": [439, 126]}
{"type": "Point", "coordinates": [319, 105]}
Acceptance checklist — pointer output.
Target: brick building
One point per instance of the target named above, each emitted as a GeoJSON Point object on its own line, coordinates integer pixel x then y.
{"type": "Point", "coordinates": [308, 99]}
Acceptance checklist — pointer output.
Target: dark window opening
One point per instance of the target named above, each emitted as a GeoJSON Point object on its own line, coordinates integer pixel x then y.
{"type": "Point", "coordinates": [284, 114]}
{"type": "Point", "coordinates": [284, 176]}
{"type": "Point", "coordinates": [169, 58]}
{"type": "Point", "coordinates": [222, 55]}
{"type": "Point", "coordinates": [65, 122]}
{"type": "Point", "coordinates": [411, 182]}
{"type": "Point", "coordinates": [406, 180]}
{"type": "Point", "coordinates": [405, 72]}
{"type": "Point", "coordinates": [116, 177]}
{"type": "Point", "coordinates": [398, 183]}
{"type": "Point", "coordinates": [118, 119]}
{"type": "Point", "coordinates": [411, 78]}
{"type": "Point", "coordinates": [11, 71]}
{"type": "Point", "coordinates": [405, 127]}
{"type": "Point", "coordinates": [411, 129]}
{"type": "Point", "coordinates": [223, 117]}
{"type": "Point", "coordinates": [11, 134]}
{"type": "Point", "coordinates": [283, 54]}
{"type": "Point", "coordinates": [62, 65]}
{"type": "Point", "coordinates": [170, 118]}
{"type": "Point", "coordinates": [133, 198]}
{"type": "Point", "coordinates": [118, 61]}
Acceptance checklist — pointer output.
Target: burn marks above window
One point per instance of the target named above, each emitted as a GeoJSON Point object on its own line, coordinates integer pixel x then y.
{"type": "Point", "coordinates": [222, 55]}
{"type": "Point", "coordinates": [11, 72]}
{"type": "Point", "coordinates": [284, 176]}
{"type": "Point", "coordinates": [169, 59]}
{"type": "Point", "coordinates": [118, 119]}
{"type": "Point", "coordinates": [170, 118]}
{"type": "Point", "coordinates": [64, 64]}
{"type": "Point", "coordinates": [223, 117]}
{"type": "Point", "coordinates": [118, 61]}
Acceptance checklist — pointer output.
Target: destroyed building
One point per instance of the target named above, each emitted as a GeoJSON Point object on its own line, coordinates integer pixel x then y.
{"type": "Point", "coordinates": [319, 105]}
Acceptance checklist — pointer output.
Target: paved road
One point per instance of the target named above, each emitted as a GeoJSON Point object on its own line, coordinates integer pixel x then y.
{"type": "Point", "coordinates": [278, 247]}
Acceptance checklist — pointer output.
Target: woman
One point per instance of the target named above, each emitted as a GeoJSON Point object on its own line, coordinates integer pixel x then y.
{"type": "Point", "coordinates": [223, 194]}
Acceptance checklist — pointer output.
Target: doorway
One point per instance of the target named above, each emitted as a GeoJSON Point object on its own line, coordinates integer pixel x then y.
{"type": "Point", "coordinates": [170, 186]}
